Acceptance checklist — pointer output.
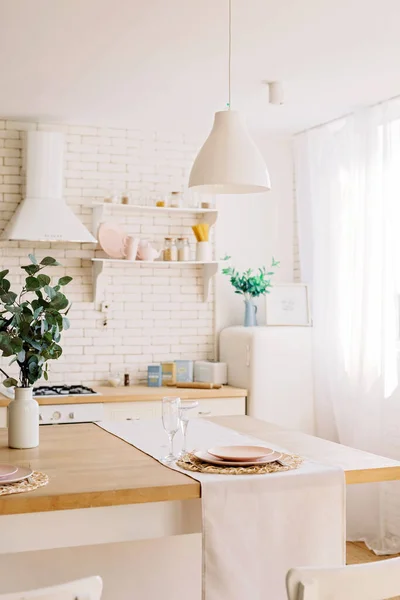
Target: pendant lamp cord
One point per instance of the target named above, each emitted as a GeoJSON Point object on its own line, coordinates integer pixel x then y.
{"type": "Point", "coordinates": [229, 54]}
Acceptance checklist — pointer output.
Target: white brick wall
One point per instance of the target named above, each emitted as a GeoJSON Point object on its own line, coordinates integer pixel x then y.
{"type": "Point", "coordinates": [157, 313]}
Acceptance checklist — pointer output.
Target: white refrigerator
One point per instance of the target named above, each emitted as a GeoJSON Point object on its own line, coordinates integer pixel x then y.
{"type": "Point", "coordinates": [275, 365]}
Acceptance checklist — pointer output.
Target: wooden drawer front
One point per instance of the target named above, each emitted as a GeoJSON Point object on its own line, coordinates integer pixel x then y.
{"type": "Point", "coordinates": [3, 416]}
{"type": "Point", "coordinates": [123, 411]}
{"type": "Point", "coordinates": [220, 406]}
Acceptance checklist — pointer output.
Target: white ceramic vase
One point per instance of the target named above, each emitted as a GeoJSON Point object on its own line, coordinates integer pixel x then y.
{"type": "Point", "coordinates": [23, 420]}
{"type": "Point", "coordinates": [203, 252]}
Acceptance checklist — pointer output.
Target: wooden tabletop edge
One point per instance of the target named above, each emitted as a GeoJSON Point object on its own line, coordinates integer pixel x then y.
{"type": "Point", "coordinates": [369, 475]}
{"type": "Point", "coordinates": [96, 499]}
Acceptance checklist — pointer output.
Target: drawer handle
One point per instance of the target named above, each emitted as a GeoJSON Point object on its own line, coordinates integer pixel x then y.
{"type": "Point", "coordinates": [204, 412]}
{"type": "Point", "coordinates": [132, 419]}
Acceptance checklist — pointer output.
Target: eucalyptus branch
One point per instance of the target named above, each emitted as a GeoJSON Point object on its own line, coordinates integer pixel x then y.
{"type": "Point", "coordinates": [31, 335]}
{"type": "Point", "coordinates": [248, 283]}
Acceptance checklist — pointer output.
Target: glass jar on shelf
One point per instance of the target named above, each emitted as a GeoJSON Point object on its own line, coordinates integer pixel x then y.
{"type": "Point", "coordinates": [192, 198]}
{"type": "Point", "coordinates": [182, 244]}
{"type": "Point", "coordinates": [116, 197]}
{"type": "Point", "coordinates": [162, 201]}
{"type": "Point", "coordinates": [207, 201]}
{"type": "Point", "coordinates": [176, 200]}
{"type": "Point", "coordinates": [126, 198]}
{"type": "Point", "coordinates": [170, 252]}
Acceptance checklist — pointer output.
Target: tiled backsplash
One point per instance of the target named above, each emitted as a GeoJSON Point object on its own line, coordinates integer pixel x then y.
{"type": "Point", "coordinates": [156, 313]}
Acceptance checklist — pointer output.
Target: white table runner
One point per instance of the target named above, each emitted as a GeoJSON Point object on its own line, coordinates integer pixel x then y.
{"type": "Point", "coordinates": [255, 527]}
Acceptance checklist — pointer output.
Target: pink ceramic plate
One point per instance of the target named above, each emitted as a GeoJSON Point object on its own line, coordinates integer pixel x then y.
{"type": "Point", "coordinates": [20, 474]}
{"type": "Point", "coordinates": [6, 470]}
{"type": "Point", "coordinates": [238, 453]}
{"type": "Point", "coordinates": [112, 239]}
{"type": "Point", "coordinates": [206, 457]}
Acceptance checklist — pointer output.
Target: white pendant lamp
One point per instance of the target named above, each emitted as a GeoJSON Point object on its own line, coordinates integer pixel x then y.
{"type": "Point", "coordinates": [229, 162]}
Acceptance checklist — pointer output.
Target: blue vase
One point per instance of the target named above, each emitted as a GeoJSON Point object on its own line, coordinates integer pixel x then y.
{"type": "Point", "coordinates": [250, 310]}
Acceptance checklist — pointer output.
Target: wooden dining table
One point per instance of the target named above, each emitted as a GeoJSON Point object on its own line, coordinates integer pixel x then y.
{"type": "Point", "coordinates": [110, 507]}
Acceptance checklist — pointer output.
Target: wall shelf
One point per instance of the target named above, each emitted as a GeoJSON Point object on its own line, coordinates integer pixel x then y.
{"type": "Point", "coordinates": [210, 214]}
{"type": "Point", "coordinates": [210, 268]}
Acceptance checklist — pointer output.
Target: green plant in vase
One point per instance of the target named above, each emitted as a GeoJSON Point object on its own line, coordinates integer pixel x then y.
{"type": "Point", "coordinates": [31, 323]}
{"type": "Point", "coordinates": [250, 284]}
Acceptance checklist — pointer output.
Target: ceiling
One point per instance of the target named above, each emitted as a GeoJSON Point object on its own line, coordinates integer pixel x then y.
{"type": "Point", "coordinates": [162, 63]}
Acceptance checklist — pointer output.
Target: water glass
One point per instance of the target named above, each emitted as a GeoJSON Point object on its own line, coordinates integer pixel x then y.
{"type": "Point", "coordinates": [171, 421]}
{"type": "Point", "coordinates": [184, 414]}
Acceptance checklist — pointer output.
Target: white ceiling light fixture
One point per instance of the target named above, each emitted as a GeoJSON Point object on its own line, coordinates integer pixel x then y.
{"type": "Point", "coordinates": [229, 162]}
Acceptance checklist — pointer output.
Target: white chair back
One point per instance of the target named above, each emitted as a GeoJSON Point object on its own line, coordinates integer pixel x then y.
{"type": "Point", "coordinates": [370, 581]}
{"type": "Point", "coordinates": [89, 588]}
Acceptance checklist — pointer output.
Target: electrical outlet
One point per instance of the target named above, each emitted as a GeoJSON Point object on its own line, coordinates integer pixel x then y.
{"type": "Point", "coordinates": [105, 307]}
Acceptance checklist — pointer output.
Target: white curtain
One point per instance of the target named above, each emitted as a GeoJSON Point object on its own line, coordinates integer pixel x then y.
{"type": "Point", "coordinates": [348, 201]}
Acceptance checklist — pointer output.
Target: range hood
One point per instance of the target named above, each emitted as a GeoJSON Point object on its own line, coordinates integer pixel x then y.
{"type": "Point", "coordinates": [43, 215]}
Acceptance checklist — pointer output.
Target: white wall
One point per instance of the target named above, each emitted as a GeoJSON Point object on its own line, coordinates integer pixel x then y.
{"type": "Point", "coordinates": [252, 229]}
{"type": "Point", "coordinates": [156, 313]}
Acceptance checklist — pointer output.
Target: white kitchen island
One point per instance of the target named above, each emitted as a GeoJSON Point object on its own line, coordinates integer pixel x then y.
{"type": "Point", "coordinates": [111, 510]}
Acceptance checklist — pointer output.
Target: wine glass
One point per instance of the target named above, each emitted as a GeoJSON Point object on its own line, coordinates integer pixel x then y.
{"type": "Point", "coordinates": [171, 420]}
{"type": "Point", "coordinates": [184, 414]}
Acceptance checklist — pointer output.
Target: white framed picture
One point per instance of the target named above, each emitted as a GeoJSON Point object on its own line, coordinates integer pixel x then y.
{"type": "Point", "coordinates": [288, 304]}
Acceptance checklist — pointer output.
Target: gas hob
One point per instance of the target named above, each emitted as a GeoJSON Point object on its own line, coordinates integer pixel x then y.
{"type": "Point", "coordinates": [55, 391]}
{"type": "Point", "coordinates": [67, 413]}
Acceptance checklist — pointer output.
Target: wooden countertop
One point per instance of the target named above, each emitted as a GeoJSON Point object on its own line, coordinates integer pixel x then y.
{"type": "Point", "coordinates": [89, 467]}
{"type": "Point", "coordinates": [138, 393]}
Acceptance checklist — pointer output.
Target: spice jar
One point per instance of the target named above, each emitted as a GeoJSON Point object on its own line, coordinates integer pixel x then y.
{"type": "Point", "coordinates": [175, 200]}
{"type": "Point", "coordinates": [182, 244]}
{"type": "Point", "coordinates": [170, 251]}
{"type": "Point", "coordinates": [126, 198]}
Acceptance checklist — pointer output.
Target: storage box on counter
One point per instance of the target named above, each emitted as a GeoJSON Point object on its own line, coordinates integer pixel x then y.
{"type": "Point", "coordinates": [168, 373]}
{"type": "Point", "coordinates": [154, 376]}
{"type": "Point", "coordinates": [184, 371]}
{"type": "Point", "coordinates": [208, 371]}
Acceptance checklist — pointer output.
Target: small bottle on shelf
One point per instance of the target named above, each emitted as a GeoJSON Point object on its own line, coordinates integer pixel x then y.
{"type": "Point", "coordinates": [126, 198]}
{"type": "Point", "coordinates": [208, 201]}
{"type": "Point", "coordinates": [176, 200]}
{"type": "Point", "coordinates": [183, 247]}
{"type": "Point", "coordinates": [116, 197]}
{"type": "Point", "coordinates": [170, 252]}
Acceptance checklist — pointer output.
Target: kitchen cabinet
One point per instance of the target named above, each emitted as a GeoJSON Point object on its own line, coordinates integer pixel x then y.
{"type": "Point", "coordinates": [209, 407]}
{"type": "Point", "coordinates": [135, 402]}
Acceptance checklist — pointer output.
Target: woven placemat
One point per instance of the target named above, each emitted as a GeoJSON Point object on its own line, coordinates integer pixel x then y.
{"type": "Point", "coordinates": [189, 462]}
{"type": "Point", "coordinates": [36, 480]}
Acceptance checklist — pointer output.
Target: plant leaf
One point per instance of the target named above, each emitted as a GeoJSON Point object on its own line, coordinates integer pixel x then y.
{"type": "Point", "coordinates": [10, 382]}
{"type": "Point", "coordinates": [21, 356]}
{"type": "Point", "coordinates": [32, 258]}
{"type": "Point", "coordinates": [8, 298]}
{"type": "Point", "coordinates": [31, 269]}
{"type": "Point", "coordinates": [43, 280]}
{"type": "Point", "coordinates": [64, 280]}
{"type": "Point", "coordinates": [5, 286]}
{"type": "Point", "coordinates": [4, 273]}
{"type": "Point", "coordinates": [49, 261]}
{"type": "Point", "coordinates": [59, 302]}
{"type": "Point", "coordinates": [32, 284]}
{"type": "Point", "coordinates": [50, 292]}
